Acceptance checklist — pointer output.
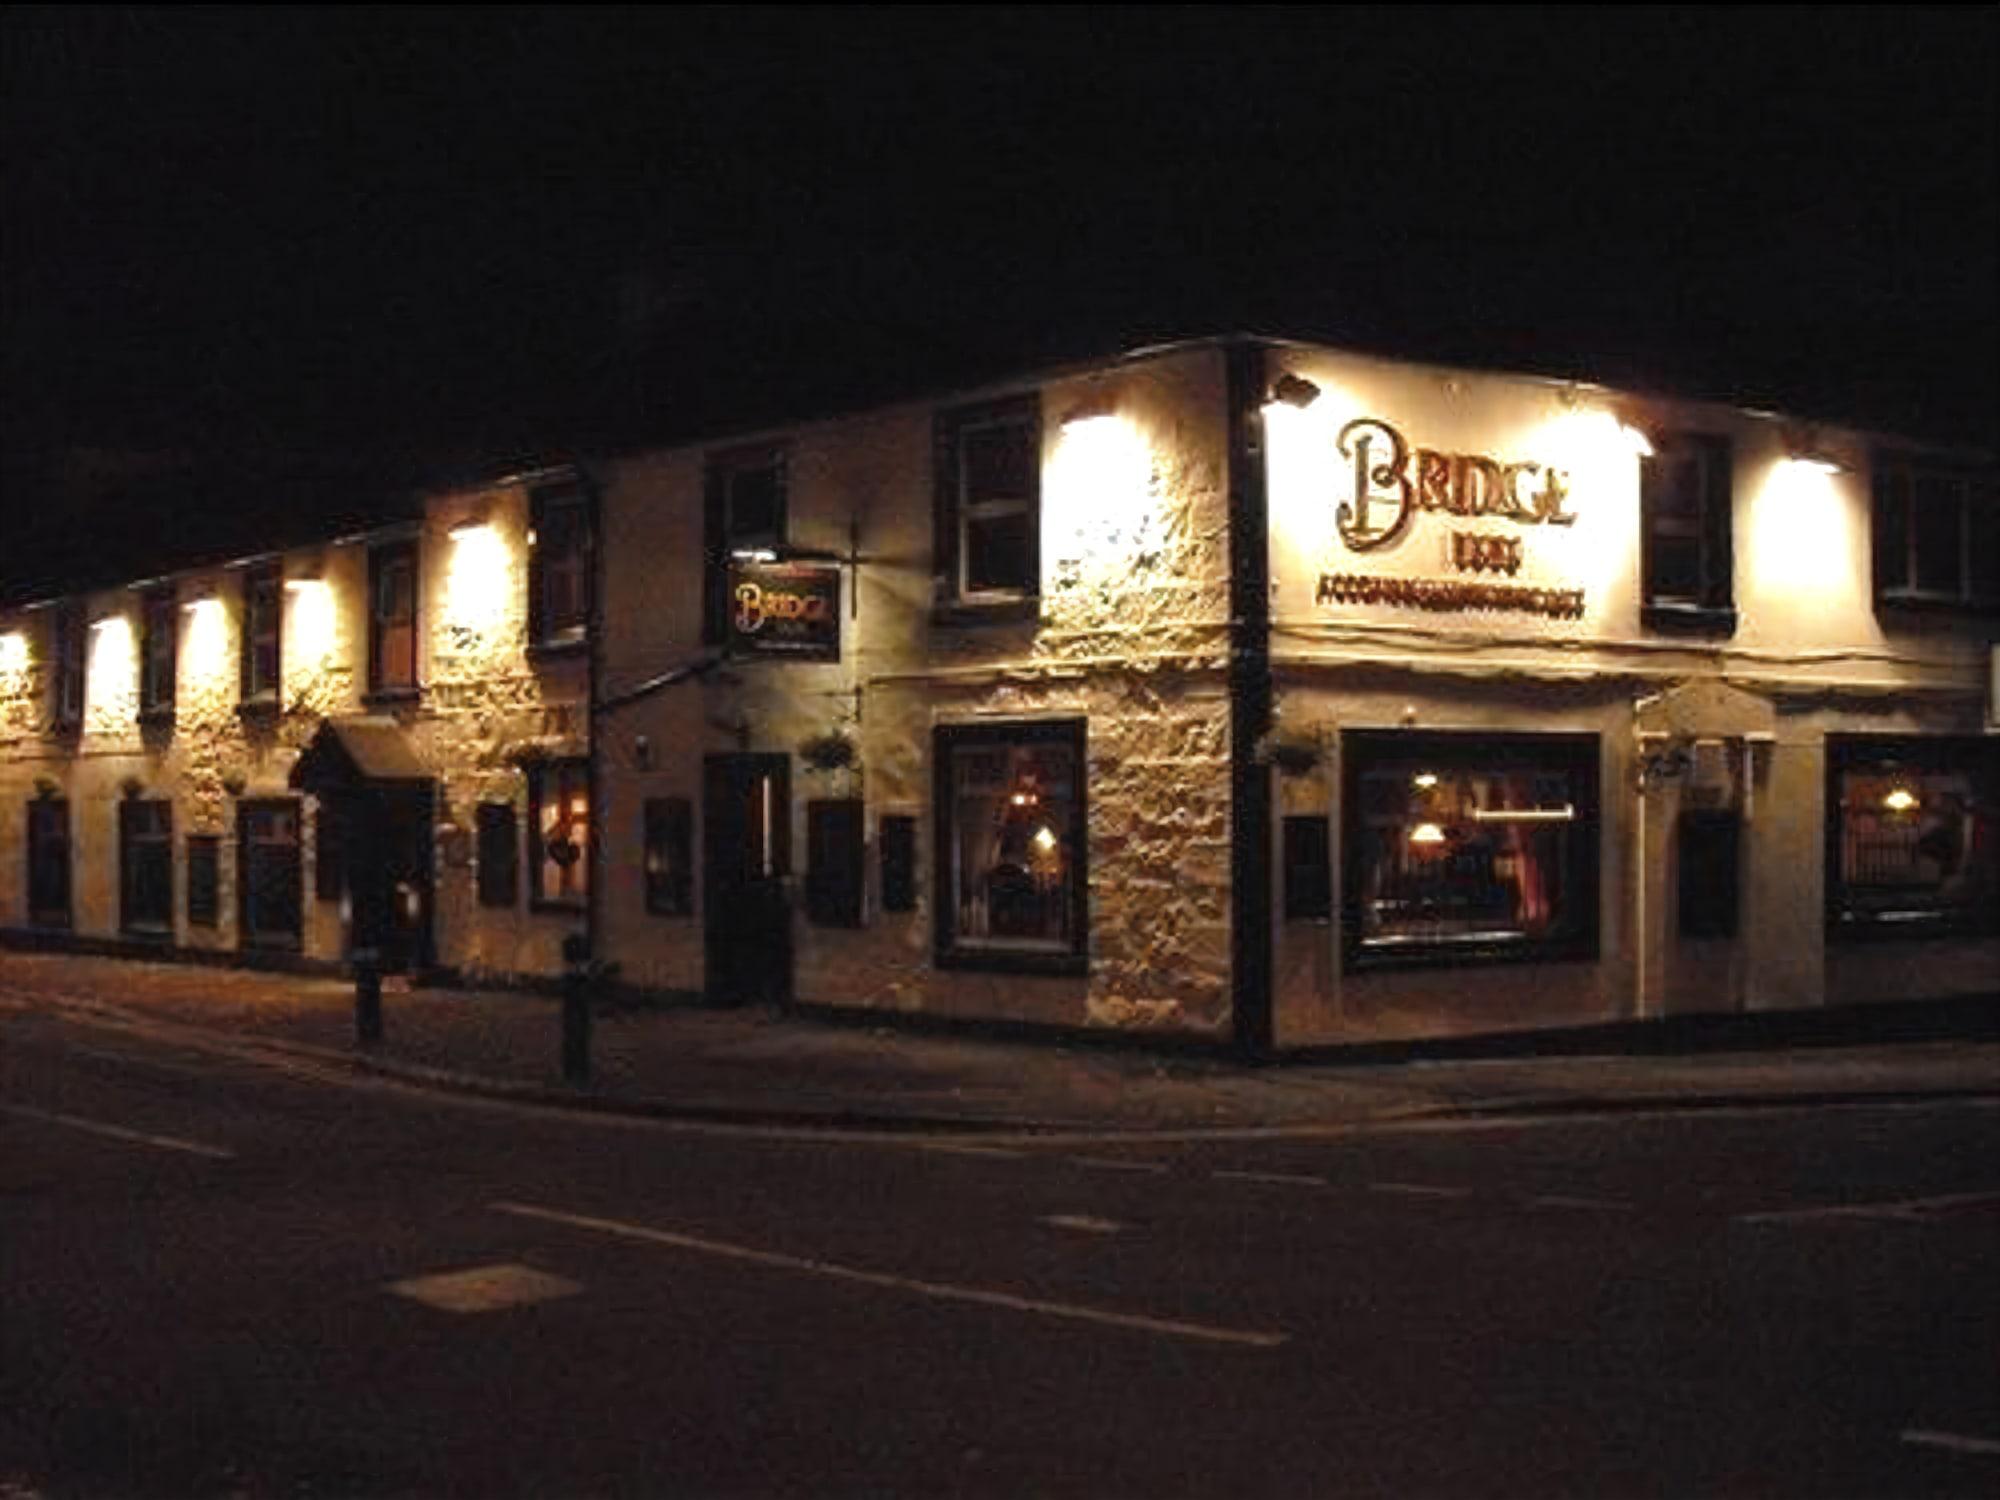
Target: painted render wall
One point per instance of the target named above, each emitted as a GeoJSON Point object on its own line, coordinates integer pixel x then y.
{"type": "Point", "coordinates": [1809, 657]}
{"type": "Point", "coordinates": [1131, 635]}
{"type": "Point", "coordinates": [484, 702]}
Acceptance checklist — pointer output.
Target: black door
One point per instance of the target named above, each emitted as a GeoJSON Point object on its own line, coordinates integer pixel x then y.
{"type": "Point", "coordinates": [746, 886]}
{"type": "Point", "coordinates": [388, 832]}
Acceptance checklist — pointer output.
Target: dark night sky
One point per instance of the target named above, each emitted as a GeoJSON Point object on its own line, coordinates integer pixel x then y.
{"type": "Point", "coordinates": [295, 262]}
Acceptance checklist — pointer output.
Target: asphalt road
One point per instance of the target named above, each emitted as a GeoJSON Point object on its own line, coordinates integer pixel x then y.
{"type": "Point", "coordinates": [221, 1277]}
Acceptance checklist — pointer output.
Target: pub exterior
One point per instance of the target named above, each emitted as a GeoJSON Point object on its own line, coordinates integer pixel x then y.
{"type": "Point", "coordinates": [1237, 691]}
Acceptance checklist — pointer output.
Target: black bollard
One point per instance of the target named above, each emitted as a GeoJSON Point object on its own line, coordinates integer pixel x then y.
{"type": "Point", "coordinates": [576, 1010]}
{"type": "Point", "coordinates": [367, 997]}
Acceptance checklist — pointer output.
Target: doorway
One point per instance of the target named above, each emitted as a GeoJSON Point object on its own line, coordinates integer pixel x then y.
{"type": "Point", "coordinates": [746, 884]}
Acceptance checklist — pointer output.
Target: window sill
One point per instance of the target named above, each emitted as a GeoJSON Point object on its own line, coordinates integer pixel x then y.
{"type": "Point", "coordinates": [1846, 927]}
{"type": "Point", "coordinates": [1936, 604]}
{"type": "Point", "coordinates": [556, 908]}
{"type": "Point", "coordinates": [258, 708]}
{"type": "Point", "coordinates": [1688, 619]}
{"type": "Point", "coordinates": [1470, 955]}
{"type": "Point", "coordinates": [1013, 961]}
{"type": "Point", "coordinates": [392, 697]}
{"type": "Point", "coordinates": [1026, 610]}
{"type": "Point", "coordinates": [558, 650]}
{"type": "Point", "coordinates": [147, 932]}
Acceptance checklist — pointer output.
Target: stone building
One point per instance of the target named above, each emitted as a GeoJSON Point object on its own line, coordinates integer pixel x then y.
{"type": "Point", "coordinates": [184, 761]}
{"type": "Point", "coordinates": [1235, 690]}
{"type": "Point", "coordinates": [1256, 691]}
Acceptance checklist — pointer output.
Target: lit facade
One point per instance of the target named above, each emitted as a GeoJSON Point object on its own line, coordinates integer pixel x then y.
{"type": "Point", "coordinates": [1236, 691]}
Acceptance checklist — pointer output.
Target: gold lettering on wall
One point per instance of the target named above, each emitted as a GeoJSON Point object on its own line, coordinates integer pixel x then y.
{"type": "Point", "coordinates": [1392, 482]}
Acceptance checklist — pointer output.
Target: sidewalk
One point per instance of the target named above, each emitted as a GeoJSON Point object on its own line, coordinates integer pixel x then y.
{"type": "Point", "coordinates": [757, 1065]}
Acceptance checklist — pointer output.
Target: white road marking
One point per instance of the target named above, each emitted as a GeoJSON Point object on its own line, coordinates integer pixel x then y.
{"type": "Point", "coordinates": [951, 1150]}
{"type": "Point", "coordinates": [1908, 1210]}
{"type": "Point", "coordinates": [1283, 1179]}
{"type": "Point", "coordinates": [943, 1291]}
{"type": "Point", "coordinates": [1596, 1205]}
{"type": "Point", "coordinates": [1116, 1164]}
{"type": "Point", "coordinates": [119, 1132]}
{"type": "Point", "coordinates": [1951, 1441]}
{"type": "Point", "coordinates": [1419, 1190]}
{"type": "Point", "coordinates": [485, 1288]}
{"type": "Point", "coordinates": [1088, 1223]}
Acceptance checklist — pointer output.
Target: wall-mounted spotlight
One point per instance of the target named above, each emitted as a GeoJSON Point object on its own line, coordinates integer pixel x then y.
{"type": "Point", "coordinates": [1294, 391]}
{"type": "Point", "coordinates": [1094, 404]}
{"type": "Point", "coordinates": [754, 555]}
{"type": "Point", "coordinates": [471, 524]}
{"type": "Point", "coordinates": [1806, 448]}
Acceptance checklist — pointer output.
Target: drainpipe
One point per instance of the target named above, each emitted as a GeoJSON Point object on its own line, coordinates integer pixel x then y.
{"type": "Point", "coordinates": [1639, 706]}
{"type": "Point", "coordinates": [1251, 1003]}
{"type": "Point", "coordinates": [594, 820]}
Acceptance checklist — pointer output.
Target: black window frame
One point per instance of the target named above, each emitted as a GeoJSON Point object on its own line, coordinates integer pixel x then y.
{"type": "Point", "coordinates": [1306, 841]}
{"type": "Point", "coordinates": [263, 618]}
{"type": "Point", "coordinates": [1977, 756]}
{"type": "Point", "coordinates": [498, 832]}
{"type": "Point", "coordinates": [159, 646]}
{"type": "Point", "coordinates": [562, 542]}
{"type": "Point", "coordinates": [948, 950]}
{"type": "Point", "coordinates": [253, 935]}
{"type": "Point", "coordinates": [1897, 506]}
{"type": "Point", "coordinates": [136, 881]}
{"type": "Point", "coordinates": [1706, 521]}
{"type": "Point", "coordinates": [667, 862]}
{"type": "Point", "coordinates": [67, 629]}
{"type": "Point", "coordinates": [722, 536]}
{"type": "Point", "coordinates": [203, 853]}
{"type": "Point", "coordinates": [43, 910]}
{"type": "Point", "coordinates": [897, 862]}
{"type": "Point", "coordinates": [952, 513]}
{"type": "Point", "coordinates": [567, 772]}
{"type": "Point", "coordinates": [384, 557]}
{"type": "Point", "coordinates": [1575, 754]}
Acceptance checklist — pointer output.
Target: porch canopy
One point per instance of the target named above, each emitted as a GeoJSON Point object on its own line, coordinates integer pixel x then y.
{"type": "Point", "coordinates": [356, 754]}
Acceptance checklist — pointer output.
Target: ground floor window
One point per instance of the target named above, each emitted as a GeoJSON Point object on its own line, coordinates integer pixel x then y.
{"type": "Point", "coordinates": [146, 866]}
{"type": "Point", "coordinates": [1913, 836]}
{"type": "Point", "coordinates": [1466, 847]}
{"type": "Point", "coordinates": [1010, 831]}
{"type": "Point", "coordinates": [558, 833]}
{"type": "Point", "coordinates": [48, 862]}
{"type": "Point", "coordinates": [268, 872]}
{"type": "Point", "coordinates": [669, 856]}
{"type": "Point", "coordinates": [204, 879]}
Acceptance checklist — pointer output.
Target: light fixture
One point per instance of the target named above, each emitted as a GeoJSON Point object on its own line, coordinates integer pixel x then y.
{"type": "Point", "coordinates": [198, 603]}
{"type": "Point", "coordinates": [472, 524]}
{"type": "Point", "coordinates": [1427, 833]}
{"type": "Point", "coordinates": [1423, 781]}
{"type": "Point", "coordinates": [1045, 838]}
{"type": "Point", "coordinates": [1091, 406]}
{"type": "Point", "coordinates": [754, 555]}
{"type": "Point", "coordinates": [1900, 800]}
{"type": "Point", "coordinates": [105, 622]}
{"type": "Point", "coordinates": [1635, 438]}
{"type": "Point", "coordinates": [1294, 391]}
{"type": "Point", "coordinates": [304, 584]}
{"type": "Point", "coordinates": [1805, 447]}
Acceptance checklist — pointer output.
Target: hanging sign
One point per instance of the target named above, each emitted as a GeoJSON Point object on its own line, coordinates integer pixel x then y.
{"type": "Point", "coordinates": [785, 609]}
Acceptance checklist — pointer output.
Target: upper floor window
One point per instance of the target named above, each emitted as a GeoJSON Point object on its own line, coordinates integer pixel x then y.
{"type": "Point", "coordinates": [392, 619]}
{"type": "Point", "coordinates": [1937, 534]}
{"type": "Point", "coordinates": [988, 502]}
{"type": "Point", "coordinates": [158, 626]}
{"type": "Point", "coordinates": [263, 634]}
{"type": "Point", "coordinates": [559, 566]}
{"type": "Point", "coordinates": [1685, 552]}
{"type": "Point", "coordinates": [745, 511]}
{"type": "Point", "coordinates": [66, 631]}
{"type": "Point", "coordinates": [1913, 836]}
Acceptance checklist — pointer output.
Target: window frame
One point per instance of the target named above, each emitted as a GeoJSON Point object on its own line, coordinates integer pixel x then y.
{"type": "Point", "coordinates": [953, 513]}
{"type": "Point", "coordinates": [269, 939]}
{"type": "Point", "coordinates": [46, 916]}
{"type": "Point", "coordinates": [1713, 609]}
{"type": "Point", "coordinates": [539, 773]}
{"type": "Point", "coordinates": [203, 892]}
{"type": "Point", "coordinates": [67, 651]}
{"type": "Point", "coordinates": [1578, 754]}
{"type": "Point", "coordinates": [720, 537]}
{"type": "Point", "coordinates": [159, 648]}
{"type": "Point", "coordinates": [263, 602]}
{"type": "Point", "coordinates": [948, 950]}
{"type": "Point", "coordinates": [384, 556]}
{"type": "Point", "coordinates": [1977, 756]}
{"type": "Point", "coordinates": [565, 512]}
{"type": "Point", "coordinates": [131, 922]}
{"type": "Point", "coordinates": [1894, 481]}
{"type": "Point", "coordinates": [668, 822]}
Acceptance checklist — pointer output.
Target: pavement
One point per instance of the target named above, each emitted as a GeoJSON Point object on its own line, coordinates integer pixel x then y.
{"type": "Point", "coordinates": [768, 1066]}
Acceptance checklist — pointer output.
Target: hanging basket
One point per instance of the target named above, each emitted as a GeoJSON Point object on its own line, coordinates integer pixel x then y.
{"type": "Point", "coordinates": [832, 751]}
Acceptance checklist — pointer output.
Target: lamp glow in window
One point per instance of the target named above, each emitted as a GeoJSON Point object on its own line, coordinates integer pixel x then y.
{"type": "Point", "coordinates": [1916, 843]}
{"type": "Point", "coordinates": [1901, 800]}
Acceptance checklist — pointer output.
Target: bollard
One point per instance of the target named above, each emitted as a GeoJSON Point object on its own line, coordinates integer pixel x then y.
{"type": "Point", "coordinates": [576, 1010]}
{"type": "Point", "coordinates": [367, 997]}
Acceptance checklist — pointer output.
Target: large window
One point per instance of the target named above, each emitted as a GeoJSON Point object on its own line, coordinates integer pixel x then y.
{"type": "Point", "coordinates": [988, 503]}
{"type": "Point", "coordinates": [1684, 503]}
{"type": "Point", "coordinates": [1937, 534]}
{"type": "Point", "coordinates": [1010, 828]}
{"type": "Point", "coordinates": [745, 512]}
{"type": "Point", "coordinates": [1463, 848]}
{"type": "Point", "coordinates": [1913, 836]}
{"type": "Point", "coordinates": [146, 867]}
{"type": "Point", "coordinates": [559, 567]}
{"type": "Point", "coordinates": [48, 862]}
{"type": "Point", "coordinates": [392, 620]}
{"type": "Point", "coordinates": [558, 833]}
{"type": "Point", "coordinates": [268, 872]}
{"type": "Point", "coordinates": [263, 636]}
{"type": "Point", "coordinates": [159, 621]}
